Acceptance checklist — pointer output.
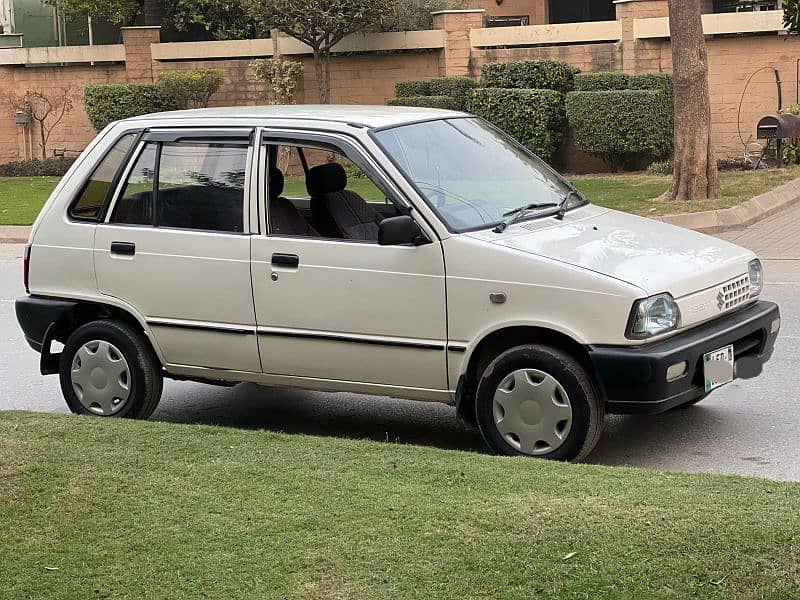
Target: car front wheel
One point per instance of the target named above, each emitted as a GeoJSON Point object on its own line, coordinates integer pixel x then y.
{"type": "Point", "coordinates": [108, 369]}
{"type": "Point", "coordinates": [538, 401]}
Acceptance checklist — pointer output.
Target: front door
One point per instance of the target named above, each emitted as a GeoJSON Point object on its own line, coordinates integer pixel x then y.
{"type": "Point", "coordinates": [176, 247]}
{"type": "Point", "coordinates": [331, 303]}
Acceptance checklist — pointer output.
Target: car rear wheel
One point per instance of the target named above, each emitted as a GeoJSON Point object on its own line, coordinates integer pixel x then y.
{"type": "Point", "coordinates": [538, 401]}
{"type": "Point", "coordinates": [108, 369]}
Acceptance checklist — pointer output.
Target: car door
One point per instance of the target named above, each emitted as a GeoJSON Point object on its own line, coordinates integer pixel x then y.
{"type": "Point", "coordinates": [175, 246]}
{"type": "Point", "coordinates": [346, 310]}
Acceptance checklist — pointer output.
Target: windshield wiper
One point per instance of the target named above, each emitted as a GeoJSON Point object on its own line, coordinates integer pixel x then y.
{"type": "Point", "coordinates": [515, 215]}
{"type": "Point", "coordinates": [562, 206]}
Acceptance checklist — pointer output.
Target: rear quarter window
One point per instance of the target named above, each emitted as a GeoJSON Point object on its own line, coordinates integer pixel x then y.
{"type": "Point", "coordinates": [89, 203]}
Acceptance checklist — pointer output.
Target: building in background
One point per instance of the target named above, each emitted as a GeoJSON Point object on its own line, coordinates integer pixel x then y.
{"type": "Point", "coordinates": [32, 23]}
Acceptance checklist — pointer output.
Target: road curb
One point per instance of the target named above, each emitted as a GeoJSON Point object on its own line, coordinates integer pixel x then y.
{"type": "Point", "coordinates": [14, 234]}
{"type": "Point", "coordinates": [741, 216]}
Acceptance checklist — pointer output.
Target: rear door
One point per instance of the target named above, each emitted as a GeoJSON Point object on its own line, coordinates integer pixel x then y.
{"type": "Point", "coordinates": [175, 246]}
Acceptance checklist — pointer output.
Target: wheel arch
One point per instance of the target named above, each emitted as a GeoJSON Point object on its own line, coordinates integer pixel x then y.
{"type": "Point", "coordinates": [86, 311]}
{"type": "Point", "coordinates": [497, 341]}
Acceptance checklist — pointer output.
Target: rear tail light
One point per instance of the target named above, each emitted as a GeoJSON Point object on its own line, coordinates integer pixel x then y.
{"type": "Point", "coordinates": [26, 267]}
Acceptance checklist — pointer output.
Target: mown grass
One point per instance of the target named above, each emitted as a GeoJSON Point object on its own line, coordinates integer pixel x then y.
{"type": "Point", "coordinates": [122, 509]}
{"type": "Point", "coordinates": [638, 193]}
{"type": "Point", "coordinates": [21, 198]}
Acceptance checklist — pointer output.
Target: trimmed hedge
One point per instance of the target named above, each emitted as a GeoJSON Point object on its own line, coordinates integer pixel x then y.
{"type": "Point", "coordinates": [36, 168]}
{"type": "Point", "coordinates": [446, 102]}
{"type": "Point", "coordinates": [534, 118]}
{"type": "Point", "coordinates": [407, 89]}
{"type": "Point", "coordinates": [652, 81]}
{"type": "Point", "coordinates": [622, 124]}
{"type": "Point", "coordinates": [108, 102]}
{"type": "Point", "coordinates": [602, 81]}
{"type": "Point", "coordinates": [191, 89]}
{"type": "Point", "coordinates": [530, 74]}
{"type": "Point", "coordinates": [455, 87]}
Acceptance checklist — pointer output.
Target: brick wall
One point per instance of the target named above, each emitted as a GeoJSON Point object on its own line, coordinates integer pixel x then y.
{"type": "Point", "coordinates": [369, 77]}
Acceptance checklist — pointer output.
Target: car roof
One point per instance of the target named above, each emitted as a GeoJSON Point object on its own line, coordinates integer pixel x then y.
{"type": "Point", "coordinates": [372, 116]}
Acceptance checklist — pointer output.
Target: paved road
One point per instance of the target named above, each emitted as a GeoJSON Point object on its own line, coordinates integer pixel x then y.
{"type": "Point", "coordinates": [747, 428]}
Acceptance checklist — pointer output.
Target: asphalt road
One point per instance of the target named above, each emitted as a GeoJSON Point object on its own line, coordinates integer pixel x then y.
{"type": "Point", "coordinates": [747, 428]}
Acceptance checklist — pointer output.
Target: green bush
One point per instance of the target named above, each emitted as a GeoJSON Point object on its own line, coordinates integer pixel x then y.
{"type": "Point", "coordinates": [652, 81]}
{"type": "Point", "coordinates": [660, 167]}
{"type": "Point", "coordinates": [108, 102]}
{"type": "Point", "coordinates": [455, 87]}
{"type": "Point", "coordinates": [36, 168]}
{"type": "Point", "coordinates": [191, 89]}
{"type": "Point", "coordinates": [405, 89]}
{"type": "Point", "coordinates": [530, 74]}
{"type": "Point", "coordinates": [446, 102]}
{"type": "Point", "coordinates": [622, 124]}
{"type": "Point", "coordinates": [602, 81]}
{"type": "Point", "coordinates": [534, 118]}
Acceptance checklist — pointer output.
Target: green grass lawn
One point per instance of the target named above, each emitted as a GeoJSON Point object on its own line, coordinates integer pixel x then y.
{"type": "Point", "coordinates": [93, 508]}
{"type": "Point", "coordinates": [636, 192]}
{"type": "Point", "coordinates": [21, 198]}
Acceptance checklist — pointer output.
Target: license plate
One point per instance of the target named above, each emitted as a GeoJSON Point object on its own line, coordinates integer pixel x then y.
{"type": "Point", "coordinates": [718, 367]}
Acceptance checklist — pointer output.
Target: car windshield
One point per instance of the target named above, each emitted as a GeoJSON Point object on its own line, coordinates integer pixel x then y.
{"type": "Point", "coordinates": [472, 174]}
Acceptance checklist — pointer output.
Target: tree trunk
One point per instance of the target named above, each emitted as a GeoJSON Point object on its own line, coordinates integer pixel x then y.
{"type": "Point", "coordinates": [43, 142]}
{"type": "Point", "coordinates": [151, 10]}
{"type": "Point", "coordinates": [320, 71]}
{"type": "Point", "coordinates": [695, 166]}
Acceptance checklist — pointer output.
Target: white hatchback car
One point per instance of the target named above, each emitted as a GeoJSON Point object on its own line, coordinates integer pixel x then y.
{"type": "Point", "coordinates": [406, 252]}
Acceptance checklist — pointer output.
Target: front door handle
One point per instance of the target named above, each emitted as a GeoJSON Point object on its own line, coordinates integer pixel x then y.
{"type": "Point", "coordinates": [127, 248]}
{"type": "Point", "coordinates": [289, 261]}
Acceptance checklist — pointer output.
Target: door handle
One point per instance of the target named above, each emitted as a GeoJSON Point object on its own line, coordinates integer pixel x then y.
{"type": "Point", "coordinates": [290, 261]}
{"type": "Point", "coordinates": [127, 248]}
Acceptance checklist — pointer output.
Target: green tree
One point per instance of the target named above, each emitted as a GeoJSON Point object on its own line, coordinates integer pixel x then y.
{"type": "Point", "coordinates": [321, 24]}
{"type": "Point", "coordinates": [114, 11]}
{"type": "Point", "coordinates": [223, 19]}
{"type": "Point", "coordinates": [791, 15]}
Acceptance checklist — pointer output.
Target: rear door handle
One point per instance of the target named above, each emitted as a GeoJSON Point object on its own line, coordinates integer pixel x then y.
{"type": "Point", "coordinates": [127, 248]}
{"type": "Point", "coordinates": [291, 261]}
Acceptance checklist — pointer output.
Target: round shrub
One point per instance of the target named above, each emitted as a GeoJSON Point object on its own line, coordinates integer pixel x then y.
{"type": "Point", "coordinates": [535, 118]}
{"type": "Point", "coordinates": [445, 102]}
{"type": "Point", "coordinates": [191, 89]}
{"type": "Point", "coordinates": [622, 124]}
{"type": "Point", "coordinates": [601, 81]}
{"type": "Point", "coordinates": [405, 89]}
{"type": "Point", "coordinates": [108, 102]}
{"type": "Point", "coordinates": [530, 74]}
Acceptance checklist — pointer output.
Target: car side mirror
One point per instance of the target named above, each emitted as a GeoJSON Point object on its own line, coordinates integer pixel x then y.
{"type": "Point", "coordinates": [399, 231]}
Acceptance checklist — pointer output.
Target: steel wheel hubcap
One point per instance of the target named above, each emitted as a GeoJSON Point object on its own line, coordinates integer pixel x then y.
{"type": "Point", "coordinates": [532, 411]}
{"type": "Point", "coordinates": [101, 378]}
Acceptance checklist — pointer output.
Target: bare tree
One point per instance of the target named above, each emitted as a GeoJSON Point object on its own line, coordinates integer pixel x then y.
{"type": "Point", "coordinates": [48, 110]}
{"type": "Point", "coordinates": [695, 174]}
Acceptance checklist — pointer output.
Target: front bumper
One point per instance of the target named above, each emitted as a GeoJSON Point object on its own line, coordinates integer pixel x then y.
{"type": "Point", "coordinates": [634, 379]}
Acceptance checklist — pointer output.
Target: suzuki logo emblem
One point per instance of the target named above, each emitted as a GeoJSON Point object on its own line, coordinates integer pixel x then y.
{"type": "Point", "coordinates": [721, 300]}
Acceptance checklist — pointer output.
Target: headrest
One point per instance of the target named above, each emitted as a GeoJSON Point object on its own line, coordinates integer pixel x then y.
{"type": "Point", "coordinates": [275, 183]}
{"type": "Point", "coordinates": [326, 179]}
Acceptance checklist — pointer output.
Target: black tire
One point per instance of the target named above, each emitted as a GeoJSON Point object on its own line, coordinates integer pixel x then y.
{"type": "Point", "coordinates": [588, 408]}
{"type": "Point", "coordinates": [146, 380]}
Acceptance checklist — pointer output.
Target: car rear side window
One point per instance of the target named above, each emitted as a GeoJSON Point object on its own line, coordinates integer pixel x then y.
{"type": "Point", "coordinates": [135, 204]}
{"type": "Point", "coordinates": [90, 202]}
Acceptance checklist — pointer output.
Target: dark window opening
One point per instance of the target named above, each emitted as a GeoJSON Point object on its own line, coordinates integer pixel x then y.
{"type": "Point", "coordinates": [579, 11]}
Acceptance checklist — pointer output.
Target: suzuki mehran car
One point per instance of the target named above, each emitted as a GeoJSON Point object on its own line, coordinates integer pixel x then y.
{"type": "Point", "coordinates": [404, 252]}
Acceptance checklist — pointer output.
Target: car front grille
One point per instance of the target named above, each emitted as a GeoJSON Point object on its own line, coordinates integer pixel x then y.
{"type": "Point", "coordinates": [734, 293]}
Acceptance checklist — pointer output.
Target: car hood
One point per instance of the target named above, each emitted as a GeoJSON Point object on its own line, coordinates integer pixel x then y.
{"type": "Point", "coordinates": [651, 255]}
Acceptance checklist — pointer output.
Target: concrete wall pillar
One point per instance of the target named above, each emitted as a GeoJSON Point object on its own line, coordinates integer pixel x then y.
{"type": "Point", "coordinates": [456, 56]}
{"type": "Point", "coordinates": [138, 57]}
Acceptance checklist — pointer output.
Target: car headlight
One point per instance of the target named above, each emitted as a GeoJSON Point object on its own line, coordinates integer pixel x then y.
{"type": "Point", "coordinates": [653, 316]}
{"type": "Point", "coordinates": [756, 277]}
